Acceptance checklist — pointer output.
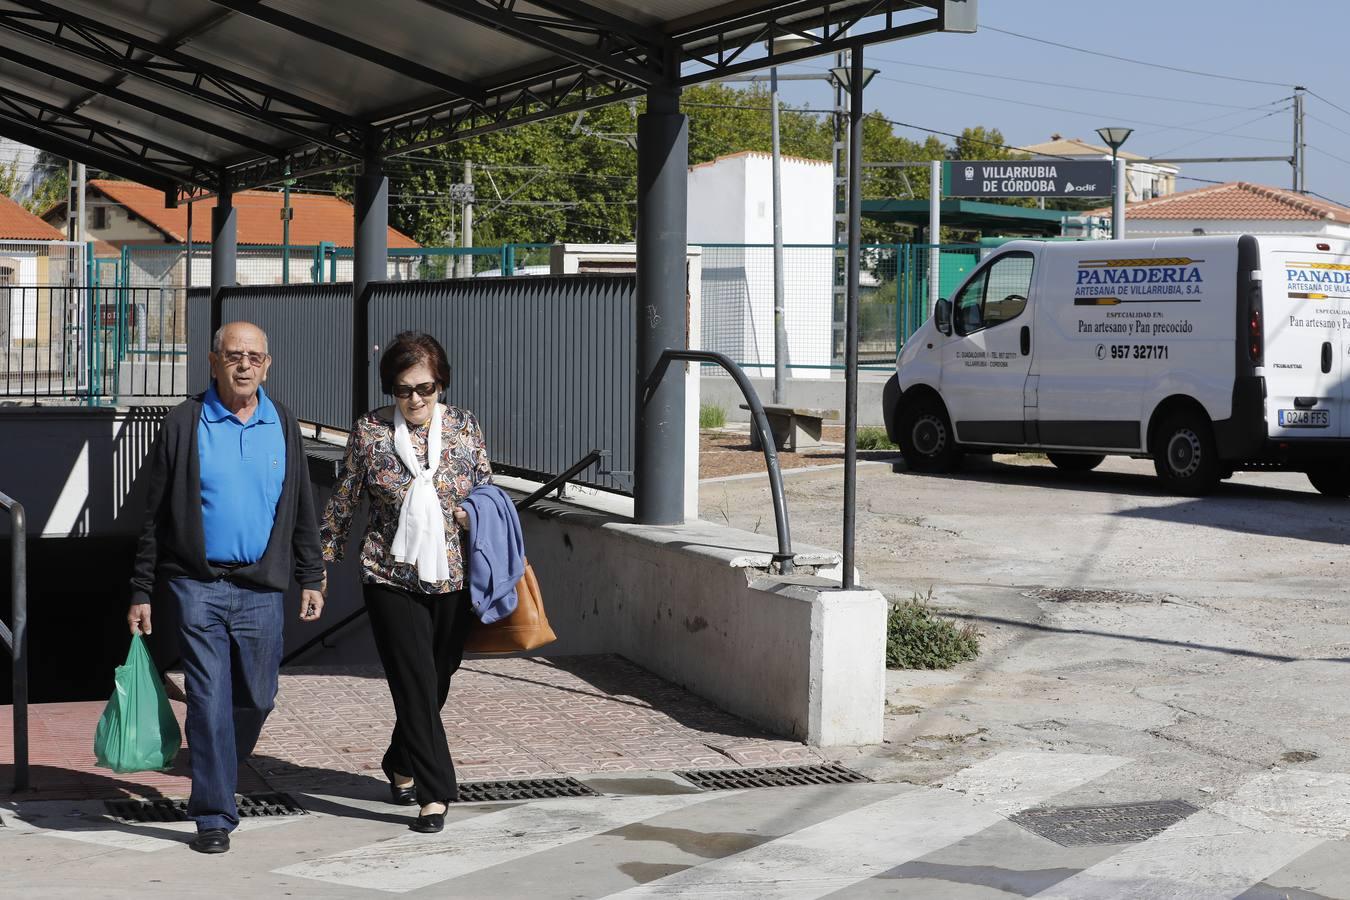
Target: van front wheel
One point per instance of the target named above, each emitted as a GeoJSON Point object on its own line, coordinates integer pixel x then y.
{"type": "Point", "coordinates": [925, 436]}
{"type": "Point", "coordinates": [1184, 455]}
{"type": "Point", "coordinates": [1331, 478]}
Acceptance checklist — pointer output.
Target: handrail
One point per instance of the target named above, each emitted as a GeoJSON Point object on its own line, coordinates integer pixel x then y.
{"type": "Point", "coordinates": [16, 641]}
{"type": "Point", "coordinates": [572, 471]}
{"type": "Point", "coordinates": [784, 556]}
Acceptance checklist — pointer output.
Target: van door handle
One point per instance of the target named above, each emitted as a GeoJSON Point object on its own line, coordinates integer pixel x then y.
{"type": "Point", "coordinates": [1026, 341]}
{"type": "Point", "coordinates": [1326, 357]}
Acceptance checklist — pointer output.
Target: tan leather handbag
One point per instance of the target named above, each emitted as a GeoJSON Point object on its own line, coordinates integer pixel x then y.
{"type": "Point", "coordinates": [525, 629]}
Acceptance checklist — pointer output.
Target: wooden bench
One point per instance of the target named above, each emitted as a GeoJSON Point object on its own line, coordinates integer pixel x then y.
{"type": "Point", "coordinates": [794, 428]}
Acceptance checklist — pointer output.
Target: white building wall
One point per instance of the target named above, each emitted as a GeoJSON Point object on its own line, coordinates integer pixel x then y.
{"type": "Point", "coordinates": [731, 202]}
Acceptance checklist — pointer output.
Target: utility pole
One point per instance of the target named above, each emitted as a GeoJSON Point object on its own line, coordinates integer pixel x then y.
{"type": "Point", "coordinates": [839, 152]}
{"type": "Point", "coordinates": [1300, 146]}
{"type": "Point", "coordinates": [779, 311]}
{"type": "Point", "coordinates": [286, 213]}
{"type": "Point", "coordinates": [466, 228]}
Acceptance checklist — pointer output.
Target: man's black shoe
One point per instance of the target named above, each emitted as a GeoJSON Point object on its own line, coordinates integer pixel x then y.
{"type": "Point", "coordinates": [212, 840]}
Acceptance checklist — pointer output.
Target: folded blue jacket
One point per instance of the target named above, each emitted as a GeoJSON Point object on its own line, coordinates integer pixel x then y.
{"type": "Point", "coordinates": [496, 552]}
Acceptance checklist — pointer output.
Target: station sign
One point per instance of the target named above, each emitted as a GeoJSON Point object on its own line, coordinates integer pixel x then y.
{"type": "Point", "coordinates": [1027, 178]}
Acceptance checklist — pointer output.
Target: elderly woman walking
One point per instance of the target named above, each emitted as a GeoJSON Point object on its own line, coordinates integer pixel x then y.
{"type": "Point", "coordinates": [417, 461]}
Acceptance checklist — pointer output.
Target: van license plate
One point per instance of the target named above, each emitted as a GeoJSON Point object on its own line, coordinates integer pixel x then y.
{"type": "Point", "coordinates": [1304, 418]}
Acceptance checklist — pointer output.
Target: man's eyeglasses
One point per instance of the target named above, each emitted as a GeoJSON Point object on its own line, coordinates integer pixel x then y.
{"type": "Point", "coordinates": [235, 357]}
{"type": "Point", "coordinates": [404, 391]}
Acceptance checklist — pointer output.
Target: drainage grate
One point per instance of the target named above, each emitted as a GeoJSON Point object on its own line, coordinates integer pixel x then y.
{"type": "Point", "coordinates": [251, 806]}
{"type": "Point", "coordinates": [526, 789]}
{"type": "Point", "coordinates": [781, 776]}
{"type": "Point", "coordinates": [1123, 823]}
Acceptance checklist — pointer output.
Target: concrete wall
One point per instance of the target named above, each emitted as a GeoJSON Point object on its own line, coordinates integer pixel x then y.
{"type": "Point", "coordinates": [692, 604]}
{"type": "Point", "coordinates": [77, 470]}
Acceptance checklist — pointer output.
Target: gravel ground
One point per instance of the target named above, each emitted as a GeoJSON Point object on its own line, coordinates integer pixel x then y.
{"type": "Point", "coordinates": [1202, 638]}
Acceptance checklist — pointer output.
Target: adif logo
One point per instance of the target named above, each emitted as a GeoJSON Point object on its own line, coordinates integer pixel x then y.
{"type": "Point", "coordinates": [1068, 186]}
{"type": "Point", "coordinates": [970, 173]}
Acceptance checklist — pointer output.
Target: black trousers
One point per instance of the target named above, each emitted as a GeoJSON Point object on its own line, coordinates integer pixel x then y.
{"type": "Point", "coordinates": [420, 639]}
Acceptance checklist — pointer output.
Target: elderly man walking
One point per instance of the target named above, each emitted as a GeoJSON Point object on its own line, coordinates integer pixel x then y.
{"type": "Point", "coordinates": [229, 522]}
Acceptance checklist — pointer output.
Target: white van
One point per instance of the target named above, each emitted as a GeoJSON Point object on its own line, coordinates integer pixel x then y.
{"type": "Point", "coordinates": [1207, 354]}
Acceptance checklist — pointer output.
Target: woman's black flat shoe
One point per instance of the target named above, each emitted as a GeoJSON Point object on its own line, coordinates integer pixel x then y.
{"type": "Point", "coordinates": [432, 823]}
{"type": "Point", "coordinates": [400, 796]}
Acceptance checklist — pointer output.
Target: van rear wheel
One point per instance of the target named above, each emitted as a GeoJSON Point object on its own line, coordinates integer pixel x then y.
{"type": "Point", "coordinates": [925, 436]}
{"type": "Point", "coordinates": [1184, 454]}
{"type": "Point", "coordinates": [1076, 462]}
{"type": "Point", "coordinates": [1331, 478]}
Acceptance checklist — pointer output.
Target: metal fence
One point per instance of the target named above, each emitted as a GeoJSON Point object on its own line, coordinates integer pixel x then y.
{"type": "Point", "coordinates": [547, 363]}
{"type": "Point", "coordinates": [166, 265]}
{"type": "Point", "coordinates": [893, 297]}
{"type": "Point", "coordinates": [91, 342]}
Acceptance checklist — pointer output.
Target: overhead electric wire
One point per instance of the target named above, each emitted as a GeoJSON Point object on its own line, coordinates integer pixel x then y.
{"type": "Point", "coordinates": [1328, 124]}
{"type": "Point", "coordinates": [1138, 62]}
{"type": "Point", "coordinates": [1332, 155]}
{"type": "Point", "coordinates": [1327, 102]}
{"type": "Point", "coordinates": [1072, 87]}
{"type": "Point", "coordinates": [1160, 125]}
{"type": "Point", "coordinates": [1224, 133]}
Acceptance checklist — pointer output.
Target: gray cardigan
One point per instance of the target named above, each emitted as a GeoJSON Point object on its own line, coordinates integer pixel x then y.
{"type": "Point", "coordinates": [172, 543]}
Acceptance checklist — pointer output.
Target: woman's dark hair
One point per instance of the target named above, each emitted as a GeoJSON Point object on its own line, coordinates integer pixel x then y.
{"type": "Point", "coordinates": [408, 349]}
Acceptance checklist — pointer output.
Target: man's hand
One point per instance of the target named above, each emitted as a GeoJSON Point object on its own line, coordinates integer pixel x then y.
{"type": "Point", "coordinates": [138, 618]}
{"type": "Point", "coordinates": [311, 605]}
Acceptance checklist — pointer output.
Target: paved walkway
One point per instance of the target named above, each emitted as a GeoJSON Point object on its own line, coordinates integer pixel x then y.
{"type": "Point", "coordinates": [505, 718]}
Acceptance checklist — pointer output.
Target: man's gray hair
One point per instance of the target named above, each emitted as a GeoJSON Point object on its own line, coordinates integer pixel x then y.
{"type": "Point", "coordinates": [218, 338]}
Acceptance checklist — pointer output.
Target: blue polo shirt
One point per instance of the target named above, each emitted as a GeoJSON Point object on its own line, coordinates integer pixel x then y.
{"type": "Point", "coordinates": [243, 467]}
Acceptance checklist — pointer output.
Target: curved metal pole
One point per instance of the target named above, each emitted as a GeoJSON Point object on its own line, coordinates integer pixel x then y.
{"type": "Point", "coordinates": [17, 638]}
{"type": "Point", "coordinates": [784, 555]}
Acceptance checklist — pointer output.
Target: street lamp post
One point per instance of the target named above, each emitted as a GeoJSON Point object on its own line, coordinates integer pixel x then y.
{"type": "Point", "coordinates": [1114, 137]}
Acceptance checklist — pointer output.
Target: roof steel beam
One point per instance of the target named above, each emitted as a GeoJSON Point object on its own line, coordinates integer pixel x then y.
{"type": "Point", "coordinates": [115, 49]}
{"type": "Point", "coordinates": [499, 15]}
{"type": "Point", "coordinates": [175, 41]}
{"type": "Point", "coordinates": [174, 115]}
{"type": "Point", "coordinates": [77, 150]}
{"type": "Point", "coordinates": [74, 126]}
{"type": "Point", "coordinates": [395, 63]}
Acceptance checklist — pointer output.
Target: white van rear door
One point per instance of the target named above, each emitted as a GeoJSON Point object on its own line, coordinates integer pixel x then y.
{"type": "Point", "coordinates": [1306, 296]}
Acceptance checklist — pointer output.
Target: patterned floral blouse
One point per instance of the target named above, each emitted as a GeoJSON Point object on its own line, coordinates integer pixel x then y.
{"type": "Point", "coordinates": [372, 466]}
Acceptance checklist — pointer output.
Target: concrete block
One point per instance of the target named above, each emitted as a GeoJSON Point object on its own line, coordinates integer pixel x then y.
{"type": "Point", "coordinates": [848, 668]}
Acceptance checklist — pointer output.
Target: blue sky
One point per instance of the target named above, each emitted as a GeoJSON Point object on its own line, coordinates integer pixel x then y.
{"type": "Point", "coordinates": [1183, 114]}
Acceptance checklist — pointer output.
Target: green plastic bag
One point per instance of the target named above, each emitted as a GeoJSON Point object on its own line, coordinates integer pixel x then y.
{"type": "Point", "coordinates": [138, 731]}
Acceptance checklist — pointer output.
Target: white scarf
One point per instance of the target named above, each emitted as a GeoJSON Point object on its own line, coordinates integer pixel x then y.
{"type": "Point", "coordinates": [420, 538]}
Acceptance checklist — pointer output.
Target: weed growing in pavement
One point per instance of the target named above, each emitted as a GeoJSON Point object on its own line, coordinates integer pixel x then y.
{"type": "Point", "coordinates": [710, 416]}
{"type": "Point", "coordinates": [916, 638]}
{"type": "Point", "coordinates": [874, 438]}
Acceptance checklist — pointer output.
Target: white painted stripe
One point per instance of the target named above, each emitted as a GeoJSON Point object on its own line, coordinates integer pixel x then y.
{"type": "Point", "coordinates": [1204, 857]}
{"type": "Point", "coordinates": [417, 860]}
{"type": "Point", "coordinates": [829, 856]}
{"type": "Point", "coordinates": [86, 821]}
{"type": "Point", "coordinates": [1297, 800]}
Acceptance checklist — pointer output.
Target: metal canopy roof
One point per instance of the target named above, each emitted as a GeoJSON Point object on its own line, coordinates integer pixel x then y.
{"type": "Point", "coordinates": [987, 218]}
{"type": "Point", "coordinates": [187, 95]}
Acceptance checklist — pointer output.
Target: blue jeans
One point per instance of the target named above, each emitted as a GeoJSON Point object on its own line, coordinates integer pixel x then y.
{"type": "Point", "coordinates": [231, 639]}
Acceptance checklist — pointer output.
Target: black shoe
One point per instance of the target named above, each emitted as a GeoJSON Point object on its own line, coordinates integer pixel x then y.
{"type": "Point", "coordinates": [400, 796]}
{"type": "Point", "coordinates": [431, 823]}
{"type": "Point", "coordinates": [212, 840]}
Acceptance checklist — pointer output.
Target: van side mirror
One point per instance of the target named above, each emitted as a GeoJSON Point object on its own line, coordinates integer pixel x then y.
{"type": "Point", "coordinates": [942, 316]}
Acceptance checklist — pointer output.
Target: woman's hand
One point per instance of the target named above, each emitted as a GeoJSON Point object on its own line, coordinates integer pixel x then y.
{"type": "Point", "coordinates": [461, 518]}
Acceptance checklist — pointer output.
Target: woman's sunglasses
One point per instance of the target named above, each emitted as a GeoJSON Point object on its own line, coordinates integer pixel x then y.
{"type": "Point", "coordinates": [404, 391]}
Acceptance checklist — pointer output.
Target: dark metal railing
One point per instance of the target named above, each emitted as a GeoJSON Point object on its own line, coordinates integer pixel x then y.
{"type": "Point", "coordinates": [553, 484]}
{"type": "Point", "coordinates": [16, 637]}
{"type": "Point", "coordinates": [784, 556]}
{"type": "Point", "coordinates": [77, 342]}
